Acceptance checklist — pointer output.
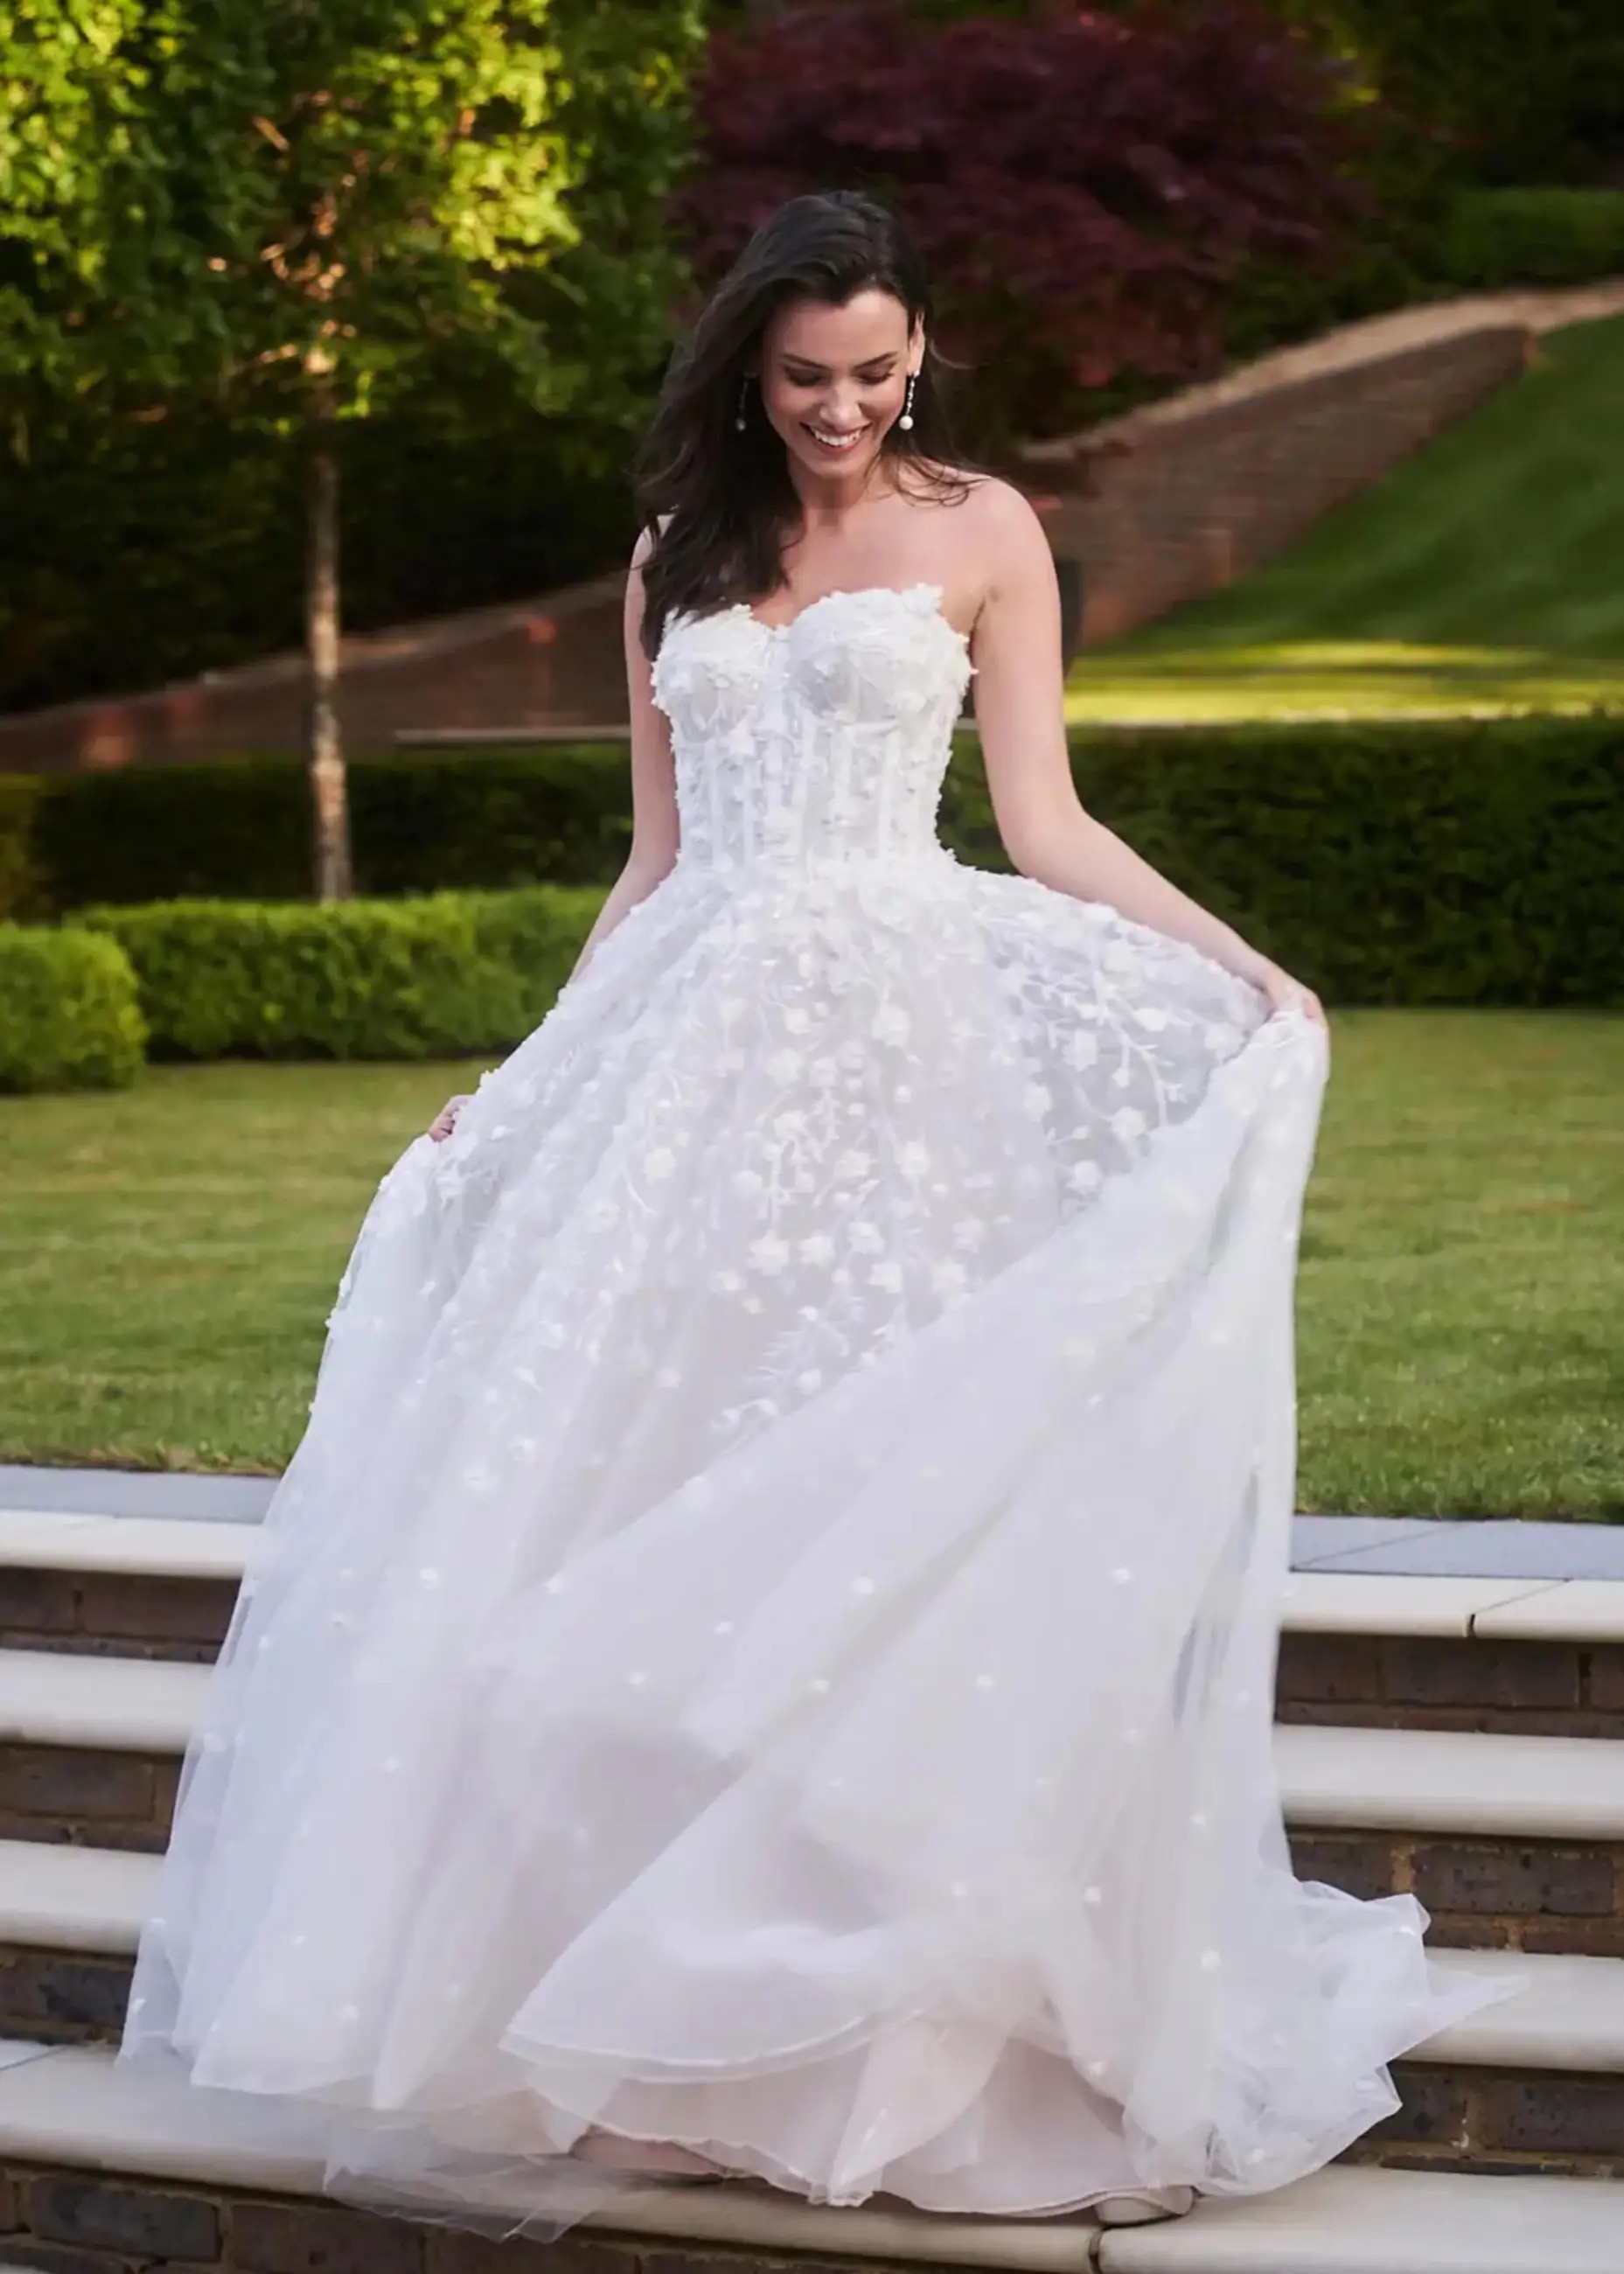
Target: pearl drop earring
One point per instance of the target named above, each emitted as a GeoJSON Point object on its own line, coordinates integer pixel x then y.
{"type": "Point", "coordinates": [744, 396]}
{"type": "Point", "coordinates": [907, 420]}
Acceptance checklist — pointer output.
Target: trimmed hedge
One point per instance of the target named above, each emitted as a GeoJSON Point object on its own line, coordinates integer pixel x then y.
{"type": "Point", "coordinates": [367, 979]}
{"type": "Point", "coordinates": [1493, 239]}
{"type": "Point", "coordinates": [1455, 861]}
{"type": "Point", "coordinates": [239, 829]}
{"type": "Point", "coordinates": [68, 1014]}
{"type": "Point", "coordinates": [23, 888]}
{"type": "Point", "coordinates": [1461, 861]}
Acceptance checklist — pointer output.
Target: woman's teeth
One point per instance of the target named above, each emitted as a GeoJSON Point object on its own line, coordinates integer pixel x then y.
{"type": "Point", "coordinates": [837, 441]}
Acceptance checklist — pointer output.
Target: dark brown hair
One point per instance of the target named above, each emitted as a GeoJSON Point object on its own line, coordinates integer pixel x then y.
{"type": "Point", "coordinates": [726, 497]}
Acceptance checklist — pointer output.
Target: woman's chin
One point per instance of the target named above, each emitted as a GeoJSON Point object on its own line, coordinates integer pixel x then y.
{"type": "Point", "coordinates": [818, 459]}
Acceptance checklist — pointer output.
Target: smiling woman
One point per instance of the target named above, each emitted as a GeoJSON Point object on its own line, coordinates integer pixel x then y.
{"type": "Point", "coordinates": [760, 1664]}
{"type": "Point", "coordinates": [756, 421]}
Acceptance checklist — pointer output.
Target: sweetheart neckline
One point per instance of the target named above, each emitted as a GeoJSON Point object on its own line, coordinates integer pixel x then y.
{"type": "Point", "coordinates": [848, 592]}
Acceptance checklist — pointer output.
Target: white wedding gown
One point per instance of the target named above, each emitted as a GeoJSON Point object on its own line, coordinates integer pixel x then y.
{"type": "Point", "coordinates": [767, 1642]}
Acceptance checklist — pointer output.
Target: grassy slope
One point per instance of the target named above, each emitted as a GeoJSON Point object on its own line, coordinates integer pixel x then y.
{"type": "Point", "coordinates": [1486, 571]}
{"type": "Point", "coordinates": [167, 1260]}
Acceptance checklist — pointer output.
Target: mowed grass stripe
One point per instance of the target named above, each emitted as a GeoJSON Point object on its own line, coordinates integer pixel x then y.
{"type": "Point", "coordinates": [167, 1259]}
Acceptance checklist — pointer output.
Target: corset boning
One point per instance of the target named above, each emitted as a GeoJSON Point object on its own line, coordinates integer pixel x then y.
{"type": "Point", "coordinates": [817, 744]}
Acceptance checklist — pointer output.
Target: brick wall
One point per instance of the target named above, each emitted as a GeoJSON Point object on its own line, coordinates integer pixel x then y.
{"type": "Point", "coordinates": [1154, 509]}
{"type": "Point", "coordinates": [553, 663]}
{"type": "Point", "coordinates": [1185, 497]}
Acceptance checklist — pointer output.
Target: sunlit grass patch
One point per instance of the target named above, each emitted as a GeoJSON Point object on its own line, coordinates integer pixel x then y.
{"type": "Point", "coordinates": [1485, 575]}
{"type": "Point", "coordinates": [167, 1262]}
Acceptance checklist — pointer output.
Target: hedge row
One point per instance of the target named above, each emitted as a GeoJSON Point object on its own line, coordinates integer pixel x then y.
{"type": "Point", "coordinates": [239, 829]}
{"type": "Point", "coordinates": [1466, 862]}
{"type": "Point", "coordinates": [69, 1018]}
{"type": "Point", "coordinates": [1491, 240]}
{"type": "Point", "coordinates": [1453, 861]}
{"type": "Point", "coordinates": [406, 979]}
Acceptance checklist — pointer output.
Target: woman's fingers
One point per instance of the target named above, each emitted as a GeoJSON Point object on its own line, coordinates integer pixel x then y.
{"type": "Point", "coordinates": [445, 1120]}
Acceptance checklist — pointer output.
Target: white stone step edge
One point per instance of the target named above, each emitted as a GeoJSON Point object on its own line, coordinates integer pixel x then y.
{"type": "Point", "coordinates": [1315, 1602]}
{"type": "Point", "coordinates": [134, 1547]}
{"type": "Point", "coordinates": [75, 2106]}
{"type": "Point", "coordinates": [1568, 2015]}
{"type": "Point", "coordinates": [1331, 1779]}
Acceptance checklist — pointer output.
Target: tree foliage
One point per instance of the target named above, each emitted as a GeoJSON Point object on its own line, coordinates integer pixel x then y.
{"type": "Point", "coordinates": [254, 193]}
{"type": "Point", "coordinates": [1085, 184]}
{"type": "Point", "coordinates": [142, 548]}
{"type": "Point", "coordinates": [1503, 92]}
{"type": "Point", "coordinates": [295, 208]}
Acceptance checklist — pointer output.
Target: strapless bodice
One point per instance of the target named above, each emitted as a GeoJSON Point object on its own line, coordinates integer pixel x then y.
{"type": "Point", "coordinates": [821, 741]}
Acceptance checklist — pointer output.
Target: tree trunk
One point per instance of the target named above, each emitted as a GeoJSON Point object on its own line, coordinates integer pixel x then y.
{"type": "Point", "coordinates": [329, 790]}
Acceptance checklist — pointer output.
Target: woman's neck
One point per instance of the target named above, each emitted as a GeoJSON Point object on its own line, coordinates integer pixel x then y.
{"type": "Point", "coordinates": [830, 504]}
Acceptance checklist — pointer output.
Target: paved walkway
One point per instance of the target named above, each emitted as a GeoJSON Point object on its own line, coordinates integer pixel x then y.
{"type": "Point", "coordinates": [1472, 1548]}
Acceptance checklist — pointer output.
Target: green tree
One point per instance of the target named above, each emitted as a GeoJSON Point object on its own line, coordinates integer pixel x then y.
{"type": "Point", "coordinates": [297, 207]}
{"type": "Point", "coordinates": [67, 99]}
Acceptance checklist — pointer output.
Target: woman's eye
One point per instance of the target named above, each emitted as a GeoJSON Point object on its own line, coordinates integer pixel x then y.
{"type": "Point", "coordinates": [864, 379]}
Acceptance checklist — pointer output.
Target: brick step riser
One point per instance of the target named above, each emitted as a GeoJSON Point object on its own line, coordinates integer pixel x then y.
{"type": "Point", "coordinates": [1542, 1689]}
{"type": "Point", "coordinates": [1485, 1891]}
{"type": "Point", "coordinates": [114, 1614]}
{"type": "Point", "coordinates": [1449, 1682]}
{"type": "Point", "coordinates": [1489, 1890]}
{"type": "Point", "coordinates": [1455, 2117]}
{"type": "Point", "coordinates": [61, 2220]}
{"type": "Point", "coordinates": [91, 1798]}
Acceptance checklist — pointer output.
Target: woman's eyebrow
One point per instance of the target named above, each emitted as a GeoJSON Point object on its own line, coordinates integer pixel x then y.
{"type": "Point", "coordinates": [805, 362]}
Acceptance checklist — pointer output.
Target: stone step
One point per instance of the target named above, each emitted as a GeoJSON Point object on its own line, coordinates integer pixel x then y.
{"type": "Point", "coordinates": [1533, 2083]}
{"type": "Point", "coordinates": [1536, 1656]}
{"type": "Point", "coordinates": [142, 1586]}
{"type": "Point", "coordinates": [109, 2169]}
{"type": "Point", "coordinates": [1509, 1841]}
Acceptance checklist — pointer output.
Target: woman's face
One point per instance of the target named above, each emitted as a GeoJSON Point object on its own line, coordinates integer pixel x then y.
{"type": "Point", "coordinates": [832, 380]}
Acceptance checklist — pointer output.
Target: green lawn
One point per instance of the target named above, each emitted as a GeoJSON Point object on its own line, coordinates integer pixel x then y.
{"type": "Point", "coordinates": [1482, 573]}
{"type": "Point", "coordinates": [168, 1258]}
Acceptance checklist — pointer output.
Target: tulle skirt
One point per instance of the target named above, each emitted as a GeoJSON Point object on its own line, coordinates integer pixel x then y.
{"type": "Point", "coordinates": [767, 1643]}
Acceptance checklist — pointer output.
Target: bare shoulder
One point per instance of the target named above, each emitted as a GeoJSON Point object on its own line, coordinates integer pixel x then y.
{"type": "Point", "coordinates": [992, 533]}
{"type": "Point", "coordinates": [645, 543]}
{"type": "Point", "coordinates": [989, 514]}
{"type": "Point", "coordinates": [1002, 517]}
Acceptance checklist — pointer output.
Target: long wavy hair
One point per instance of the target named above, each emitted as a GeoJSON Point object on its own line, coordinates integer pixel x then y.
{"type": "Point", "coordinates": [726, 497]}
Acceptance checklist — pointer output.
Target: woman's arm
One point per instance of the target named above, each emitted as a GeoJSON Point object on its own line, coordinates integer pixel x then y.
{"type": "Point", "coordinates": [654, 805]}
{"type": "Point", "coordinates": [1019, 711]}
{"type": "Point", "coordinates": [654, 792]}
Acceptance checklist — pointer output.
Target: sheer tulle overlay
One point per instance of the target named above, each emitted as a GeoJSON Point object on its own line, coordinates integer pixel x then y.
{"type": "Point", "coordinates": [767, 1642]}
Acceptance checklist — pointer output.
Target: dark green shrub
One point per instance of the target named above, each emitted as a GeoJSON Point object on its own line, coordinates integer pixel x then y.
{"type": "Point", "coordinates": [1511, 90]}
{"type": "Point", "coordinates": [557, 813]}
{"type": "Point", "coordinates": [1431, 248]}
{"type": "Point", "coordinates": [68, 1014]}
{"type": "Point", "coordinates": [240, 829]}
{"type": "Point", "coordinates": [24, 891]}
{"type": "Point", "coordinates": [367, 979]}
{"type": "Point", "coordinates": [1491, 239]}
{"type": "Point", "coordinates": [1458, 860]}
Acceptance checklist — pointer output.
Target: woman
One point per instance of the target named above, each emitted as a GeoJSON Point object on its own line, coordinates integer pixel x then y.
{"type": "Point", "coordinates": [762, 1662]}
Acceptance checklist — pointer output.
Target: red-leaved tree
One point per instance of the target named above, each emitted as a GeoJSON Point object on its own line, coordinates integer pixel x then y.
{"type": "Point", "coordinates": [1084, 185]}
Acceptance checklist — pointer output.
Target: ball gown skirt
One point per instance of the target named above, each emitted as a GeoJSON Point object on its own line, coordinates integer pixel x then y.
{"type": "Point", "coordinates": [767, 1642]}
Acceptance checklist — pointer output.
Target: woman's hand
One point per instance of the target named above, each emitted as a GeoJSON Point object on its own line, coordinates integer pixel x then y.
{"type": "Point", "coordinates": [445, 1120]}
{"type": "Point", "coordinates": [1285, 993]}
